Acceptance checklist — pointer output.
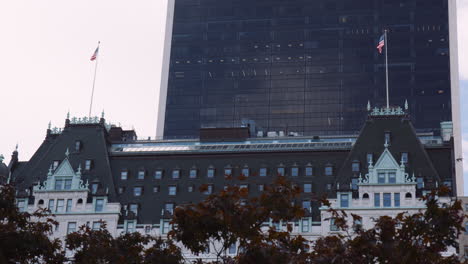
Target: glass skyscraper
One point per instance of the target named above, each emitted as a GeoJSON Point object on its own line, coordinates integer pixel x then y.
{"type": "Point", "coordinates": [303, 66]}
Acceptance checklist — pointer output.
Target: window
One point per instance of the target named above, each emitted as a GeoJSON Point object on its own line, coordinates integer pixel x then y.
{"type": "Point", "coordinates": [280, 171]}
{"type": "Point", "coordinates": [67, 184]}
{"type": "Point", "coordinates": [77, 145]}
{"type": "Point", "coordinates": [228, 172]}
{"type": "Point", "coordinates": [420, 182]}
{"type": "Point", "coordinates": [357, 224]}
{"type": "Point", "coordinates": [244, 186]}
{"type": "Point", "coordinates": [355, 166]}
{"type": "Point", "coordinates": [130, 226]}
{"type": "Point", "coordinates": [381, 177]}
{"type": "Point", "coordinates": [156, 189]}
{"type": "Point", "coordinates": [365, 196]}
{"type": "Point", "coordinates": [71, 227]}
{"type": "Point", "coordinates": [369, 158]}
{"type": "Point", "coordinates": [69, 205]}
{"type": "Point", "coordinates": [466, 228]}
{"type": "Point", "coordinates": [193, 173]}
{"type": "Point", "coordinates": [308, 171]}
{"type": "Point", "coordinates": [169, 207]}
{"type": "Point", "coordinates": [124, 175]}
{"type": "Point", "coordinates": [263, 172]}
{"type": "Point", "coordinates": [41, 203]}
{"type": "Point", "coordinates": [306, 205]}
{"type": "Point", "coordinates": [307, 187]}
{"type": "Point", "coordinates": [391, 177]}
{"type": "Point", "coordinates": [172, 190]}
{"type": "Point", "coordinates": [328, 170]}
{"type": "Point", "coordinates": [466, 206]}
{"type": "Point", "coordinates": [245, 172]}
{"type": "Point", "coordinates": [60, 205]}
{"type": "Point", "coordinates": [175, 174]}
{"type": "Point", "coordinates": [210, 173]}
{"type": "Point", "coordinates": [99, 206]}
{"type": "Point", "coordinates": [166, 227]}
{"type": "Point", "coordinates": [58, 184]}
{"type": "Point", "coordinates": [51, 205]}
{"type": "Point", "coordinates": [404, 157]}
{"type": "Point", "coordinates": [133, 208]}
{"type": "Point", "coordinates": [55, 164]}
{"type": "Point", "coordinates": [387, 137]}
{"type": "Point", "coordinates": [94, 188]}
{"type": "Point", "coordinates": [96, 225]}
{"type": "Point", "coordinates": [408, 196]}
{"type": "Point", "coordinates": [377, 199]}
{"type": "Point", "coordinates": [333, 227]}
{"type": "Point", "coordinates": [88, 165]}
{"type": "Point", "coordinates": [354, 183]}
{"type": "Point", "coordinates": [448, 183]}
{"type": "Point", "coordinates": [79, 202]}
{"type": "Point", "coordinates": [137, 191]}
{"type": "Point", "coordinates": [158, 174]}
{"type": "Point", "coordinates": [190, 188]}
{"type": "Point", "coordinates": [328, 186]}
{"type": "Point", "coordinates": [387, 199]}
{"type": "Point", "coordinates": [305, 225]}
{"type": "Point", "coordinates": [344, 201]}
{"type": "Point", "coordinates": [261, 187]}
{"type": "Point", "coordinates": [209, 189]}
{"type": "Point", "coordinates": [21, 205]}
{"type": "Point", "coordinates": [121, 190]}
{"type": "Point", "coordinates": [396, 199]}
{"type": "Point", "coordinates": [294, 171]}
{"type": "Point", "coordinates": [141, 174]}
{"type": "Point", "coordinates": [232, 249]}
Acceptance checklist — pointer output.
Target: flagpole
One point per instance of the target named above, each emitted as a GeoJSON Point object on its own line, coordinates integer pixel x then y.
{"type": "Point", "coordinates": [94, 82]}
{"type": "Point", "coordinates": [386, 66]}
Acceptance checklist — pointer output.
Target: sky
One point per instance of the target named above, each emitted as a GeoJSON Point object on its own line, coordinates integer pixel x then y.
{"type": "Point", "coordinates": [45, 70]}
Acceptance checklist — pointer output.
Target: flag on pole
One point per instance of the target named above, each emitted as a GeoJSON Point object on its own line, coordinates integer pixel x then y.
{"type": "Point", "coordinates": [381, 43]}
{"type": "Point", "coordinates": [95, 54]}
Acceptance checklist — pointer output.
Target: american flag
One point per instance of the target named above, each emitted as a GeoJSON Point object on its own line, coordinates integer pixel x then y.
{"type": "Point", "coordinates": [95, 54]}
{"type": "Point", "coordinates": [381, 43]}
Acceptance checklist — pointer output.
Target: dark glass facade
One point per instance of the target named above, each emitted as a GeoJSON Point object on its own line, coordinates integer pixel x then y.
{"type": "Point", "coordinates": [305, 66]}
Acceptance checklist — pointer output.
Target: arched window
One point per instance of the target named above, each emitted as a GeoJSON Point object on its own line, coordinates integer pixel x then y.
{"type": "Point", "coordinates": [408, 195]}
{"type": "Point", "coordinates": [80, 201]}
{"type": "Point", "coordinates": [41, 202]}
{"type": "Point", "coordinates": [365, 196]}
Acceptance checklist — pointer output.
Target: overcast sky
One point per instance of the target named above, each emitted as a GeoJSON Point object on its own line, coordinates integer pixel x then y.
{"type": "Point", "coordinates": [45, 69]}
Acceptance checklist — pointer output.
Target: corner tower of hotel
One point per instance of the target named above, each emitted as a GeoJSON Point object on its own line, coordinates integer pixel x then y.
{"type": "Point", "coordinates": [307, 68]}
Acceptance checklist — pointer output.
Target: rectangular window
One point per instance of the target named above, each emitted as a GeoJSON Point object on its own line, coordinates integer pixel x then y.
{"type": "Point", "coordinates": [172, 190]}
{"type": "Point", "coordinates": [396, 199]}
{"type": "Point", "coordinates": [294, 171]}
{"type": "Point", "coordinates": [21, 205]}
{"type": "Point", "coordinates": [344, 201]}
{"type": "Point", "coordinates": [307, 187]}
{"type": "Point", "coordinates": [190, 188]}
{"type": "Point", "coordinates": [166, 227]}
{"type": "Point", "coordinates": [51, 205]}
{"type": "Point", "coordinates": [141, 175]}
{"type": "Point", "coordinates": [227, 172]}
{"type": "Point", "coordinates": [420, 182]}
{"type": "Point", "coordinates": [329, 187]}
{"type": "Point", "coordinates": [55, 164]}
{"type": "Point", "coordinates": [261, 187]}
{"type": "Point", "coordinates": [355, 167]}
{"type": "Point", "coordinates": [156, 189]}
{"type": "Point", "coordinates": [387, 137]}
{"type": "Point", "coordinates": [245, 172]}
{"type": "Point", "coordinates": [209, 189]}
{"type": "Point", "coordinates": [124, 175]}
{"type": "Point", "coordinates": [263, 172]}
{"type": "Point", "coordinates": [137, 191]}
{"type": "Point", "coordinates": [94, 188]}
{"type": "Point", "coordinates": [354, 183]}
{"type": "Point", "coordinates": [69, 205]}
{"type": "Point", "coordinates": [369, 158]}
{"type": "Point", "coordinates": [158, 174]}
{"type": "Point", "coordinates": [280, 171]}
{"type": "Point", "coordinates": [58, 184]}
{"type": "Point", "coordinates": [377, 199]}
{"type": "Point", "coordinates": [68, 184]}
{"type": "Point", "coordinates": [60, 205]}
{"type": "Point", "coordinates": [381, 177]}
{"type": "Point", "coordinates": [175, 174]}
{"type": "Point", "coordinates": [232, 249]}
{"type": "Point", "coordinates": [121, 190]}
{"type": "Point", "coordinates": [391, 177]}
{"type": "Point", "coordinates": [71, 227]}
{"type": "Point", "coordinates": [387, 199]}
{"type": "Point", "coordinates": [133, 208]}
{"type": "Point", "coordinates": [328, 170]}
{"type": "Point", "coordinates": [404, 157]}
{"type": "Point", "coordinates": [99, 206]}
{"type": "Point", "coordinates": [130, 226]}
{"type": "Point", "coordinates": [244, 186]}
{"type": "Point", "coordinates": [305, 225]}
{"type": "Point", "coordinates": [88, 165]}
{"type": "Point", "coordinates": [96, 225]}
{"type": "Point", "coordinates": [77, 145]}
{"type": "Point", "coordinates": [193, 173]}
{"type": "Point", "coordinates": [306, 205]}
{"type": "Point", "coordinates": [210, 173]}
{"type": "Point", "coordinates": [308, 171]}
{"type": "Point", "coordinates": [169, 207]}
{"type": "Point", "coordinates": [333, 227]}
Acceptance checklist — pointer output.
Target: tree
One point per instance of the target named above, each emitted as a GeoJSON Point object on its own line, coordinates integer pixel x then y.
{"type": "Point", "coordinates": [231, 217]}
{"type": "Point", "coordinates": [163, 251]}
{"type": "Point", "coordinates": [24, 237]}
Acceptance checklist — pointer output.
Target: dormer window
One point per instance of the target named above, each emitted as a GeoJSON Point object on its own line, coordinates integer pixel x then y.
{"type": "Point", "coordinates": [263, 172]}
{"type": "Point", "coordinates": [94, 188]}
{"type": "Point", "coordinates": [193, 173]}
{"type": "Point", "coordinates": [344, 200]}
{"type": "Point", "coordinates": [210, 173]}
{"type": "Point", "coordinates": [55, 164]}
{"type": "Point", "coordinates": [355, 166]}
{"type": "Point", "coordinates": [63, 184]}
{"type": "Point", "coordinates": [404, 157]}
{"type": "Point", "coordinates": [294, 171]}
{"type": "Point", "coordinates": [328, 170]}
{"type": "Point", "coordinates": [77, 145]}
{"type": "Point", "coordinates": [391, 177]}
{"type": "Point", "coordinates": [88, 164]}
{"type": "Point", "coordinates": [387, 138]}
{"type": "Point", "coordinates": [280, 171]}
{"type": "Point", "coordinates": [381, 177]}
{"type": "Point", "coordinates": [133, 208]}
{"type": "Point", "coordinates": [176, 174]}
{"type": "Point", "coordinates": [158, 174]}
{"type": "Point", "coordinates": [99, 206]}
{"type": "Point", "coordinates": [124, 175]}
{"type": "Point", "coordinates": [369, 158]}
{"type": "Point", "coordinates": [419, 182]}
{"type": "Point", "coordinates": [141, 174]}
{"type": "Point", "coordinates": [245, 172]}
{"type": "Point", "coordinates": [227, 172]}
{"type": "Point", "coordinates": [309, 171]}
